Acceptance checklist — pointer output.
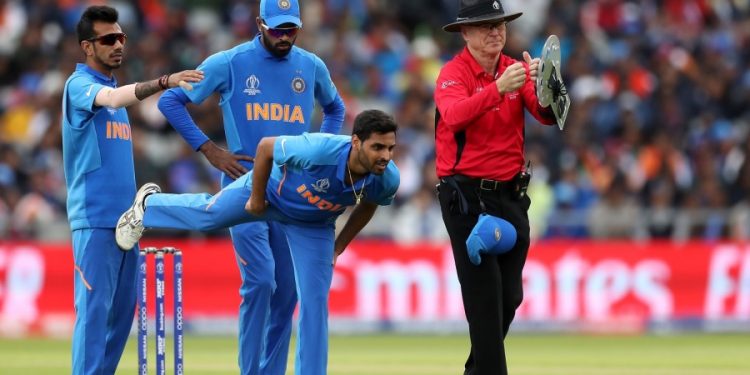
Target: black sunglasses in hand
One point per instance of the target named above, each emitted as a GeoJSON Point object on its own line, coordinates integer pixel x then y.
{"type": "Point", "coordinates": [110, 39]}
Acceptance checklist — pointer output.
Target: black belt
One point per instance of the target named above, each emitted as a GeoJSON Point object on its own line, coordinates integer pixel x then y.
{"type": "Point", "coordinates": [483, 183]}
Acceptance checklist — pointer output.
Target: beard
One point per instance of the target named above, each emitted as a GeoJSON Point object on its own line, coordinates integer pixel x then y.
{"type": "Point", "coordinates": [109, 63]}
{"type": "Point", "coordinates": [371, 166]}
{"type": "Point", "coordinates": [275, 49]}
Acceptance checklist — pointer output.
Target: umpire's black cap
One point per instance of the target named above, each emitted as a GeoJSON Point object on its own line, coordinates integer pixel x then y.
{"type": "Point", "coordinates": [475, 12]}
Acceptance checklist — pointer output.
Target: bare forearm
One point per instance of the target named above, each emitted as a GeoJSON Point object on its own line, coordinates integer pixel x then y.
{"type": "Point", "coordinates": [145, 89]}
{"type": "Point", "coordinates": [262, 168]}
{"type": "Point", "coordinates": [360, 216]}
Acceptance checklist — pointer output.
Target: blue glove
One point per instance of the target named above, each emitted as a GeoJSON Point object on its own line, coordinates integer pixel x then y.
{"type": "Point", "coordinates": [491, 235]}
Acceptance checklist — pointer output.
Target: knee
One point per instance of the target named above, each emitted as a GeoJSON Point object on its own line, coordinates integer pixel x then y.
{"type": "Point", "coordinates": [257, 282]}
{"type": "Point", "coordinates": [211, 223]}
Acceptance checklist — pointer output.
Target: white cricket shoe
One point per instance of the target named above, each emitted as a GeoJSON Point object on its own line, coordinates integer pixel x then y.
{"type": "Point", "coordinates": [130, 226]}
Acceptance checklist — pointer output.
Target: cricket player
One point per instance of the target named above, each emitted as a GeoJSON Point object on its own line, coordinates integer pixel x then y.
{"type": "Point", "coordinates": [100, 178]}
{"type": "Point", "coordinates": [303, 182]}
{"type": "Point", "coordinates": [268, 87]}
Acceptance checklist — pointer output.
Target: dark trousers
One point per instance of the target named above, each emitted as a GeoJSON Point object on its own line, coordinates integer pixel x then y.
{"type": "Point", "coordinates": [493, 290]}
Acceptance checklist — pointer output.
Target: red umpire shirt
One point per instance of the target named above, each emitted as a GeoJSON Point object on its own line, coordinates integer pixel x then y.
{"type": "Point", "coordinates": [480, 133]}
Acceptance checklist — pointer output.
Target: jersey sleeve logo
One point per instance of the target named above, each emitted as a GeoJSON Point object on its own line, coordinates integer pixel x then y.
{"type": "Point", "coordinates": [447, 84]}
{"type": "Point", "coordinates": [252, 83]}
{"type": "Point", "coordinates": [298, 85]}
{"type": "Point", "coordinates": [88, 93]}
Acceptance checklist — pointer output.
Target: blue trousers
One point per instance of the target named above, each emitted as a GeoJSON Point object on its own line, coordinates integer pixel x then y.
{"type": "Point", "coordinates": [268, 297]}
{"type": "Point", "coordinates": [310, 252]}
{"type": "Point", "coordinates": [105, 293]}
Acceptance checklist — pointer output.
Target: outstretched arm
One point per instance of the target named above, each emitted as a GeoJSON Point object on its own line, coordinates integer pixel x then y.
{"type": "Point", "coordinates": [135, 92]}
{"type": "Point", "coordinates": [360, 216]}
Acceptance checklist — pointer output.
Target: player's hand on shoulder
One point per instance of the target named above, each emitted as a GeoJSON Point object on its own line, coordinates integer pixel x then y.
{"type": "Point", "coordinates": [224, 160]}
{"type": "Point", "coordinates": [184, 78]}
{"type": "Point", "coordinates": [512, 78]}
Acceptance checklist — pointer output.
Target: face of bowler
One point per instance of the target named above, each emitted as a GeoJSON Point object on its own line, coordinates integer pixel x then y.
{"type": "Point", "coordinates": [374, 153]}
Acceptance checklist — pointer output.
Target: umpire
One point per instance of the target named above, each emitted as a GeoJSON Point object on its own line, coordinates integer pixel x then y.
{"type": "Point", "coordinates": [480, 97]}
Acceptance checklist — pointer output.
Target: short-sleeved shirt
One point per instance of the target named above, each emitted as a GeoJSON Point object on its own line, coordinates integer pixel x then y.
{"type": "Point", "coordinates": [263, 95]}
{"type": "Point", "coordinates": [308, 180]}
{"type": "Point", "coordinates": [97, 153]}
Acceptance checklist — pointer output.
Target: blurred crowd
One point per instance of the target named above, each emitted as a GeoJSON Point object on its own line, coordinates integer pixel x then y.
{"type": "Point", "coordinates": [657, 144]}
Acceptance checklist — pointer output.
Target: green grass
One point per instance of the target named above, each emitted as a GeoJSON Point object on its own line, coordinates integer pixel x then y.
{"type": "Point", "coordinates": [438, 355]}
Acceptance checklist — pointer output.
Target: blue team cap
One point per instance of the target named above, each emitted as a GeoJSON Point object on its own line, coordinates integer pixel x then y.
{"type": "Point", "coordinates": [279, 12]}
{"type": "Point", "coordinates": [491, 235]}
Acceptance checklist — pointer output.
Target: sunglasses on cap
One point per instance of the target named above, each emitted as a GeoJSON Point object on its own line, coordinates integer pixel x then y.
{"type": "Point", "coordinates": [280, 31]}
{"type": "Point", "coordinates": [110, 39]}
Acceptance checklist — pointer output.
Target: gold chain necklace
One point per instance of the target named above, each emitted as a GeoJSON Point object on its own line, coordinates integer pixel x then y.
{"type": "Point", "coordinates": [357, 197]}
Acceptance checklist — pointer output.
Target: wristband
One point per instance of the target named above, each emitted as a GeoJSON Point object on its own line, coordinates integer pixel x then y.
{"type": "Point", "coordinates": [164, 81]}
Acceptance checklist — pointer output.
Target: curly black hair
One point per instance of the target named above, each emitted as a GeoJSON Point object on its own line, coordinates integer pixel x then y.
{"type": "Point", "coordinates": [103, 13]}
{"type": "Point", "coordinates": [373, 121]}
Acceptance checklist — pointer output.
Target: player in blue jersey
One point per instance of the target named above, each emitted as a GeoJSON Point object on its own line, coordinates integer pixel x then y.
{"type": "Point", "coordinates": [304, 183]}
{"type": "Point", "coordinates": [268, 87]}
{"type": "Point", "coordinates": [100, 178]}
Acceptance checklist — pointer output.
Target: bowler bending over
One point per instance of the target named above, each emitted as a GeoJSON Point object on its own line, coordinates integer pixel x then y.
{"type": "Point", "coordinates": [304, 182]}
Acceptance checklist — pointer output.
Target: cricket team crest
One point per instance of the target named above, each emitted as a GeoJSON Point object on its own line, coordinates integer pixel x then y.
{"type": "Point", "coordinates": [252, 83]}
{"type": "Point", "coordinates": [322, 185]}
{"type": "Point", "coordinates": [298, 85]}
{"type": "Point", "coordinates": [284, 4]}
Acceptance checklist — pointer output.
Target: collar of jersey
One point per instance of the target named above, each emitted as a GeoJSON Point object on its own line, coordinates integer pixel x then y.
{"type": "Point", "coordinates": [264, 52]}
{"type": "Point", "coordinates": [477, 69]}
{"type": "Point", "coordinates": [99, 76]}
{"type": "Point", "coordinates": [341, 172]}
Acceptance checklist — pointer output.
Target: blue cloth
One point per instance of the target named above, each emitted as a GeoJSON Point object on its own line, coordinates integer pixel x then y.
{"type": "Point", "coordinates": [261, 95]}
{"type": "Point", "coordinates": [312, 251]}
{"type": "Point", "coordinates": [306, 187]}
{"type": "Point", "coordinates": [100, 178]}
{"type": "Point", "coordinates": [104, 298]}
{"type": "Point", "coordinates": [308, 181]}
{"type": "Point", "coordinates": [277, 12]}
{"type": "Point", "coordinates": [491, 235]}
{"type": "Point", "coordinates": [306, 192]}
{"type": "Point", "coordinates": [268, 286]}
{"type": "Point", "coordinates": [97, 153]}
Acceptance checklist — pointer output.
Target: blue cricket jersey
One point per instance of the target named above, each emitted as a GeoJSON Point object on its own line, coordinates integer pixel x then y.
{"type": "Point", "coordinates": [263, 95]}
{"type": "Point", "coordinates": [307, 181]}
{"type": "Point", "coordinates": [97, 153]}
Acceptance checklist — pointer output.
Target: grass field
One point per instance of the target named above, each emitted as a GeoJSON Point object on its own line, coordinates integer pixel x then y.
{"type": "Point", "coordinates": [439, 355]}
